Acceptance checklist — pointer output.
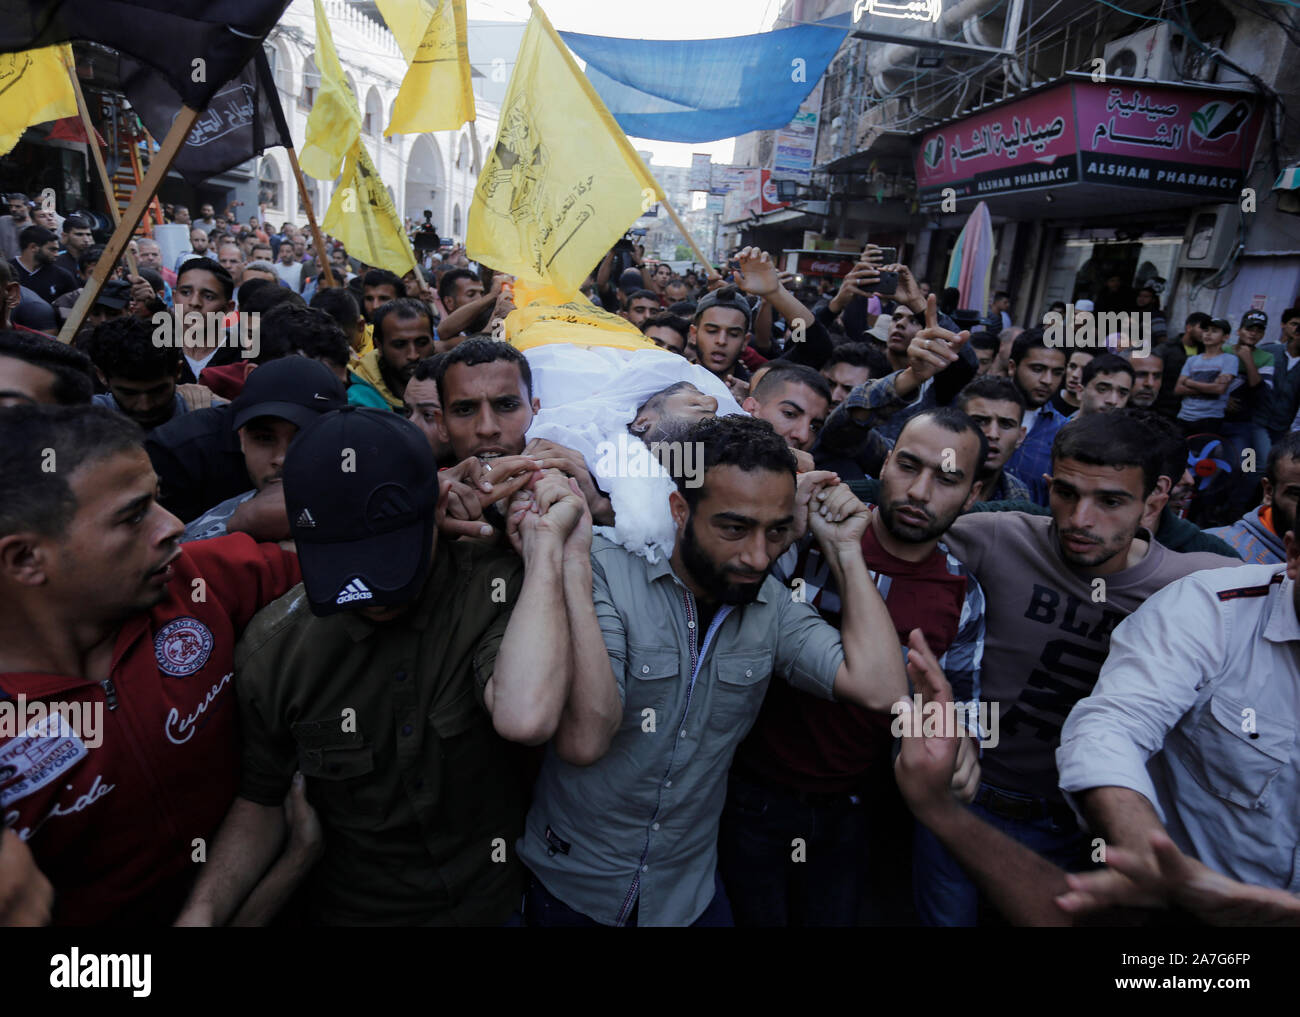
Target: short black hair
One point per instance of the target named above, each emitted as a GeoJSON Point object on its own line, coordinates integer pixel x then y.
{"type": "Point", "coordinates": [1001, 295]}
{"type": "Point", "coordinates": [288, 327]}
{"type": "Point", "coordinates": [950, 418]}
{"type": "Point", "coordinates": [1106, 363]}
{"type": "Point", "coordinates": [124, 348]}
{"type": "Point", "coordinates": [1286, 447]}
{"type": "Point", "coordinates": [339, 304]}
{"type": "Point", "coordinates": [426, 369]}
{"type": "Point", "coordinates": [263, 298]}
{"type": "Point", "coordinates": [475, 351]}
{"type": "Point", "coordinates": [41, 500]}
{"type": "Point", "coordinates": [665, 320]}
{"type": "Point", "coordinates": [986, 341]}
{"type": "Point", "coordinates": [1031, 339]}
{"type": "Point", "coordinates": [250, 286]}
{"type": "Point", "coordinates": [684, 309]}
{"type": "Point", "coordinates": [744, 442]}
{"type": "Point", "coordinates": [1199, 318]}
{"type": "Point", "coordinates": [1111, 439]}
{"type": "Point", "coordinates": [37, 235]}
{"type": "Point", "coordinates": [447, 283]}
{"type": "Point", "coordinates": [383, 277]}
{"type": "Point", "coordinates": [74, 382]}
{"type": "Point", "coordinates": [855, 355]}
{"type": "Point", "coordinates": [793, 374]}
{"type": "Point", "coordinates": [209, 265]}
{"type": "Point", "coordinates": [90, 256]}
{"type": "Point", "coordinates": [1165, 436]}
{"type": "Point", "coordinates": [1289, 313]}
{"type": "Point", "coordinates": [641, 295]}
{"type": "Point", "coordinates": [993, 388]}
{"type": "Point", "coordinates": [405, 308]}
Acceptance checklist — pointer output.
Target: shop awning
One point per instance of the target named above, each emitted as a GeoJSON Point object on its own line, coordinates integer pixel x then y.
{"type": "Point", "coordinates": [1288, 180]}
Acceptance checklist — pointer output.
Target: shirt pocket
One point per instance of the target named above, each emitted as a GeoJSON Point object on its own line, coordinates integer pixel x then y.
{"type": "Point", "coordinates": [738, 692]}
{"type": "Point", "coordinates": [1235, 764]}
{"type": "Point", "coordinates": [648, 685]}
{"type": "Point", "coordinates": [340, 770]}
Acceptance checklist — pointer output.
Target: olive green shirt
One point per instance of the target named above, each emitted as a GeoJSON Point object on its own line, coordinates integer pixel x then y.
{"type": "Point", "coordinates": [418, 797]}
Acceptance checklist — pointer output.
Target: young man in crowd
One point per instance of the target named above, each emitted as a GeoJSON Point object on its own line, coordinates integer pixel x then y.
{"type": "Point", "coordinates": [1258, 535]}
{"type": "Point", "coordinates": [641, 304]}
{"type": "Point", "coordinates": [416, 792]}
{"type": "Point", "coordinates": [795, 400]}
{"type": "Point", "coordinates": [1282, 402]}
{"type": "Point", "coordinates": [670, 672]}
{"type": "Point", "coordinates": [102, 610]}
{"type": "Point", "coordinates": [1056, 587]}
{"type": "Point", "coordinates": [141, 377]}
{"type": "Point", "coordinates": [278, 401]}
{"type": "Point", "coordinates": [34, 267]}
{"type": "Point", "coordinates": [997, 407]}
{"type": "Point", "coordinates": [851, 365]}
{"type": "Point", "coordinates": [40, 371]}
{"type": "Point", "coordinates": [403, 333]}
{"type": "Point", "coordinates": [1037, 370]}
{"type": "Point", "coordinates": [77, 240]}
{"type": "Point", "coordinates": [812, 772]}
{"type": "Point", "coordinates": [287, 268]}
{"type": "Point", "coordinates": [667, 331]}
{"type": "Point", "coordinates": [198, 248]}
{"type": "Point", "coordinates": [1066, 399]}
{"type": "Point", "coordinates": [203, 297]}
{"type": "Point", "coordinates": [1204, 381]}
{"type": "Point", "coordinates": [1107, 382]}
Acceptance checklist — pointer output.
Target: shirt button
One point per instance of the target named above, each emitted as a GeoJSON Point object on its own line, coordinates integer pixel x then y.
{"type": "Point", "coordinates": [645, 868]}
{"type": "Point", "coordinates": [655, 827]}
{"type": "Point", "coordinates": [668, 783]}
{"type": "Point", "coordinates": [645, 668]}
{"type": "Point", "coordinates": [749, 673]}
{"type": "Point", "coordinates": [406, 729]}
{"type": "Point", "coordinates": [690, 624]}
{"type": "Point", "coordinates": [400, 676]}
{"type": "Point", "coordinates": [683, 734]}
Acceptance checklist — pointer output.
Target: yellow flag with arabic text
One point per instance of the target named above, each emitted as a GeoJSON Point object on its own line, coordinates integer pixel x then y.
{"type": "Point", "coordinates": [34, 88]}
{"type": "Point", "coordinates": [436, 94]}
{"type": "Point", "coordinates": [562, 183]}
{"type": "Point", "coordinates": [363, 216]}
{"type": "Point", "coordinates": [334, 122]}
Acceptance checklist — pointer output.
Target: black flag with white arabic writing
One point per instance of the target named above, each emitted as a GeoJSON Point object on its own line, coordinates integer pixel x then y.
{"type": "Point", "coordinates": [197, 45]}
{"type": "Point", "coordinates": [241, 121]}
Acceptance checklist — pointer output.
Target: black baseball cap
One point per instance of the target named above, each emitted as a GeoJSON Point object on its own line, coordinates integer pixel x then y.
{"type": "Point", "coordinates": [1254, 319]}
{"type": "Point", "coordinates": [1222, 324]}
{"type": "Point", "coordinates": [298, 389]}
{"type": "Point", "coordinates": [733, 299]}
{"type": "Point", "coordinates": [116, 293]}
{"type": "Point", "coordinates": [361, 486]}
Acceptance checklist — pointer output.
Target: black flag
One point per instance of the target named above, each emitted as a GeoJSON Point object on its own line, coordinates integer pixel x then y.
{"type": "Point", "coordinates": [241, 121]}
{"type": "Point", "coordinates": [196, 45]}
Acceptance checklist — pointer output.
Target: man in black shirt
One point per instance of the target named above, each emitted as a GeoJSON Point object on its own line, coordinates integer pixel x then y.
{"type": "Point", "coordinates": [35, 267]}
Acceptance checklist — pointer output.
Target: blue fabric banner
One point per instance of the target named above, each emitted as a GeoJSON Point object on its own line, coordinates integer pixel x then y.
{"type": "Point", "coordinates": [707, 89]}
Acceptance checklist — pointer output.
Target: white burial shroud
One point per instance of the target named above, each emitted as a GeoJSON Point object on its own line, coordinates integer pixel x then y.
{"type": "Point", "coordinates": [588, 395]}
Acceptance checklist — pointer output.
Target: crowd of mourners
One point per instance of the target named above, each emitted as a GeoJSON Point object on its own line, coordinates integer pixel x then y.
{"type": "Point", "coordinates": [961, 625]}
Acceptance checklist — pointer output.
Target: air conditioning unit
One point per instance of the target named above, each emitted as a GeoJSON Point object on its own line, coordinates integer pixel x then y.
{"type": "Point", "coordinates": [1155, 53]}
{"type": "Point", "coordinates": [1211, 237]}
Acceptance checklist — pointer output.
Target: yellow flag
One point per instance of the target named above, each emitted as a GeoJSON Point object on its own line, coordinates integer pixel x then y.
{"type": "Point", "coordinates": [578, 321]}
{"type": "Point", "coordinates": [34, 88]}
{"type": "Point", "coordinates": [407, 20]}
{"type": "Point", "coordinates": [335, 121]}
{"type": "Point", "coordinates": [436, 94]}
{"type": "Point", "coordinates": [562, 182]}
{"type": "Point", "coordinates": [362, 215]}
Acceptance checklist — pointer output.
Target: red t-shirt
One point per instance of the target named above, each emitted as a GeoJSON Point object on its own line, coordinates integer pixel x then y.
{"type": "Point", "coordinates": [813, 745]}
{"type": "Point", "coordinates": [112, 815]}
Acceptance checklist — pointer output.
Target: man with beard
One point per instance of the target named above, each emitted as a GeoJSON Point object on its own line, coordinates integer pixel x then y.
{"type": "Point", "coordinates": [624, 822]}
{"type": "Point", "coordinates": [670, 411]}
{"type": "Point", "coordinates": [1037, 370]}
{"type": "Point", "coordinates": [1055, 588]}
{"type": "Point", "coordinates": [1148, 375]}
{"type": "Point", "coordinates": [1257, 536]}
{"type": "Point", "coordinates": [403, 337]}
{"type": "Point", "coordinates": [817, 771]}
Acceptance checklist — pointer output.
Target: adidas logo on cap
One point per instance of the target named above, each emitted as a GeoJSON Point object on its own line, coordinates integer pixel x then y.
{"type": "Point", "coordinates": [305, 520]}
{"type": "Point", "coordinates": [355, 590]}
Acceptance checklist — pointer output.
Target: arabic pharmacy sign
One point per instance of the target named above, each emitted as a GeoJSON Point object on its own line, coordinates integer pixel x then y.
{"type": "Point", "coordinates": [915, 10]}
{"type": "Point", "coordinates": [1184, 140]}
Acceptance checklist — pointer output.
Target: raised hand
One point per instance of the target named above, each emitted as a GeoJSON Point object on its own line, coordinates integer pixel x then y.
{"type": "Point", "coordinates": [755, 272]}
{"type": "Point", "coordinates": [837, 519]}
{"type": "Point", "coordinates": [933, 348]}
{"type": "Point", "coordinates": [927, 765]}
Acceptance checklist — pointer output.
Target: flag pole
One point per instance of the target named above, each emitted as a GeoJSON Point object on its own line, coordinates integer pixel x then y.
{"type": "Point", "coordinates": [158, 167]}
{"type": "Point", "coordinates": [311, 217]}
{"type": "Point", "coordinates": [690, 240]}
{"type": "Point", "coordinates": [98, 156]}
